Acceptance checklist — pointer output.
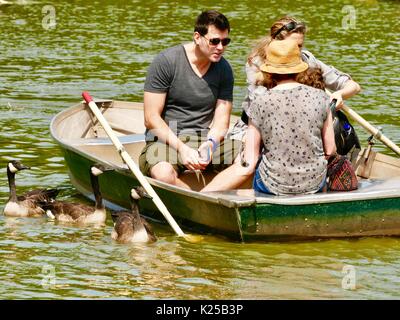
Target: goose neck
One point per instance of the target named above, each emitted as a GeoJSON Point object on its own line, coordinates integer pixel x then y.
{"type": "Point", "coordinates": [135, 208]}
{"type": "Point", "coordinates": [11, 184]}
{"type": "Point", "coordinates": [96, 191]}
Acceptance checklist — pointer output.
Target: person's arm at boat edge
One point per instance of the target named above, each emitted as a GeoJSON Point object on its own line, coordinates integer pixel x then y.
{"type": "Point", "coordinates": [342, 85]}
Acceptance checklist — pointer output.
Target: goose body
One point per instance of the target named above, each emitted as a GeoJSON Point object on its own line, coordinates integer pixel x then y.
{"type": "Point", "coordinates": [28, 204]}
{"type": "Point", "coordinates": [75, 212]}
{"type": "Point", "coordinates": [129, 226]}
{"type": "Point", "coordinates": [64, 211]}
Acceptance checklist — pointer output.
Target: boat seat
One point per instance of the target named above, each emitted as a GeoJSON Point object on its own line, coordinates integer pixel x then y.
{"type": "Point", "coordinates": [367, 189]}
{"type": "Point", "coordinates": [377, 184]}
{"type": "Point", "coordinates": [125, 139]}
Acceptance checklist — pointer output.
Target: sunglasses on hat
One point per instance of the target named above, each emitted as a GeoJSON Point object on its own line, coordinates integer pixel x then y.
{"type": "Point", "coordinates": [288, 27]}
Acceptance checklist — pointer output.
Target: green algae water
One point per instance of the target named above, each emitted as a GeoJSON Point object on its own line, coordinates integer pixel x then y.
{"type": "Point", "coordinates": [53, 50]}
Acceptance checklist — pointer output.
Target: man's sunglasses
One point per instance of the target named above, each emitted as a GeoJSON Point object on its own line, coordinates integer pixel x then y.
{"type": "Point", "coordinates": [216, 41]}
{"type": "Point", "coordinates": [288, 27]}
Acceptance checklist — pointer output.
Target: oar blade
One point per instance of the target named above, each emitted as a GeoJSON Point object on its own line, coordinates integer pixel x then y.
{"type": "Point", "coordinates": [193, 238]}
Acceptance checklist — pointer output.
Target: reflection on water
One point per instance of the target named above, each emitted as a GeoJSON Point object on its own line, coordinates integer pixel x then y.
{"type": "Point", "coordinates": [88, 264]}
{"type": "Point", "coordinates": [44, 71]}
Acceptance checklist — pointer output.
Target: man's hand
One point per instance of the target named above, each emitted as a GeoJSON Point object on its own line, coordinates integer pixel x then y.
{"type": "Point", "coordinates": [205, 153]}
{"type": "Point", "coordinates": [189, 157]}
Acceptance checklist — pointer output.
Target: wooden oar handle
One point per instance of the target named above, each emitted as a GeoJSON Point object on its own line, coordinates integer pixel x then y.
{"type": "Point", "coordinates": [332, 105]}
{"type": "Point", "coordinates": [131, 164]}
{"type": "Point", "coordinates": [371, 129]}
{"type": "Point", "coordinates": [367, 126]}
{"type": "Point", "coordinates": [86, 96]}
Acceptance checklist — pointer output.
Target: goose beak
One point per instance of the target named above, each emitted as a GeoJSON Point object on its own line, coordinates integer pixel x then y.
{"type": "Point", "coordinates": [147, 196]}
{"type": "Point", "coordinates": [138, 193]}
{"type": "Point", "coordinates": [102, 168]}
{"type": "Point", "coordinates": [142, 192]}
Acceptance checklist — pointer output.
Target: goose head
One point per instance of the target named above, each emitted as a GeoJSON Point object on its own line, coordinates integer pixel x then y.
{"type": "Point", "coordinates": [139, 192]}
{"type": "Point", "coordinates": [98, 169]}
{"type": "Point", "coordinates": [15, 166]}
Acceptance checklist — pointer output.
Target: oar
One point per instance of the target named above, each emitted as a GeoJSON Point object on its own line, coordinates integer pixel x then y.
{"type": "Point", "coordinates": [135, 170]}
{"type": "Point", "coordinates": [371, 129]}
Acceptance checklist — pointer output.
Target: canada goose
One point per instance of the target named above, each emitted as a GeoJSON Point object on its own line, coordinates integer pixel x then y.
{"type": "Point", "coordinates": [129, 226]}
{"type": "Point", "coordinates": [77, 212]}
{"type": "Point", "coordinates": [28, 204]}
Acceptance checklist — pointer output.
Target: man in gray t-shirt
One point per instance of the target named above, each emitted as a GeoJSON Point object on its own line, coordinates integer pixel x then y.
{"type": "Point", "coordinates": [187, 103]}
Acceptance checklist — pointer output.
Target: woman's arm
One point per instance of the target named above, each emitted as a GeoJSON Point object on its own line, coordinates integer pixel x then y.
{"type": "Point", "coordinates": [341, 84]}
{"type": "Point", "coordinates": [328, 136]}
{"type": "Point", "coordinates": [350, 89]}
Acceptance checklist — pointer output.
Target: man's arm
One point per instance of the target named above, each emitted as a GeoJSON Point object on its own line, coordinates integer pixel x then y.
{"type": "Point", "coordinates": [219, 128]}
{"type": "Point", "coordinates": [153, 107]}
{"type": "Point", "coordinates": [222, 111]}
{"type": "Point", "coordinates": [220, 123]}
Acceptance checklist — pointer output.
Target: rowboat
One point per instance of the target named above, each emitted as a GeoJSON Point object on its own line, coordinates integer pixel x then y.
{"type": "Point", "coordinates": [242, 214]}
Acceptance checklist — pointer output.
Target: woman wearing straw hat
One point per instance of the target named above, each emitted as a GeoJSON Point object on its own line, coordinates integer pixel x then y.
{"type": "Point", "coordinates": [341, 84]}
{"type": "Point", "coordinates": [293, 124]}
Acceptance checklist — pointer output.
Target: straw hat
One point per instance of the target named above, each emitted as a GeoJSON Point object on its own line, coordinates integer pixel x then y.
{"type": "Point", "coordinates": [283, 57]}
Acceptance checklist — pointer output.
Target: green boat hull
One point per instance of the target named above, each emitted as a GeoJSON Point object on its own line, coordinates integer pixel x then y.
{"type": "Point", "coordinates": [257, 222]}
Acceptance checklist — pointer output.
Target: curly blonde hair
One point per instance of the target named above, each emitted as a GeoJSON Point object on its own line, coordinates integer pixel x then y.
{"type": "Point", "coordinates": [311, 77]}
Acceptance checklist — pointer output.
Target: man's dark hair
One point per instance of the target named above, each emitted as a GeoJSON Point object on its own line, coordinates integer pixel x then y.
{"type": "Point", "coordinates": [211, 17]}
